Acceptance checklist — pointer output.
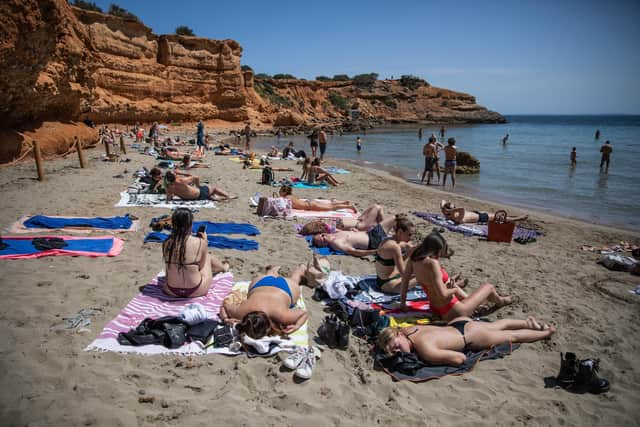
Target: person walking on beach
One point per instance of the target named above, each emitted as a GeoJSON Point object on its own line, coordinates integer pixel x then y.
{"type": "Point", "coordinates": [505, 139]}
{"type": "Point", "coordinates": [450, 154]}
{"type": "Point", "coordinates": [200, 137]}
{"type": "Point", "coordinates": [573, 156]}
{"type": "Point", "coordinates": [313, 140]}
{"type": "Point", "coordinates": [606, 150]}
{"type": "Point", "coordinates": [247, 137]}
{"type": "Point", "coordinates": [358, 144]}
{"type": "Point", "coordinates": [322, 142]}
{"type": "Point", "coordinates": [597, 134]}
{"type": "Point", "coordinates": [429, 153]}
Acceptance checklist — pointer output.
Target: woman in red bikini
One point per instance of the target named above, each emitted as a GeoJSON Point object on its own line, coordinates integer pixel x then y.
{"type": "Point", "coordinates": [445, 296]}
{"type": "Point", "coordinates": [188, 264]}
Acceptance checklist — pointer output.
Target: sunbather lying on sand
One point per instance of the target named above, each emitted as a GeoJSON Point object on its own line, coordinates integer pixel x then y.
{"type": "Point", "coordinates": [188, 187]}
{"type": "Point", "coordinates": [445, 345]}
{"type": "Point", "coordinates": [269, 307]}
{"type": "Point", "coordinates": [313, 205]}
{"type": "Point", "coordinates": [446, 298]}
{"type": "Point", "coordinates": [390, 258]}
{"type": "Point", "coordinates": [172, 153]}
{"type": "Point", "coordinates": [188, 264]}
{"type": "Point", "coordinates": [187, 163]}
{"type": "Point", "coordinates": [462, 216]}
{"type": "Point", "coordinates": [368, 219]}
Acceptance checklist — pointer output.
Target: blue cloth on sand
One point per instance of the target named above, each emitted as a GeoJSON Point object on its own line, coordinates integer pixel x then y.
{"type": "Point", "coordinates": [321, 251]}
{"type": "Point", "coordinates": [302, 184]}
{"type": "Point", "coordinates": [219, 242]}
{"type": "Point", "coordinates": [226, 228]}
{"type": "Point", "coordinates": [111, 223]}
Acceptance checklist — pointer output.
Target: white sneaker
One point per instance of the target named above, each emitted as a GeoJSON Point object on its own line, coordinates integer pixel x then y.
{"type": "Point", "coordinates": [296, 358]}
{"type": "Point", "coordinates": [305, 370]}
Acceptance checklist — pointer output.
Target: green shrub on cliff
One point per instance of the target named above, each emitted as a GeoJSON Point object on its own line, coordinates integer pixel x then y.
{"type": "Point", "coordinates": [121, 12]}
{"type": "Point", "coordinates": [365, 80]}
{"type": "Point", "coordinates": [87, 5]}
{"type": "Point", "coordinates": [341, 78]}
{"type": "Point", "coordinates": [265, 90]}
{"type": "Point", "coordinates": [323, 78]}
{"type": "Point", "coordinates": [283, 76]}
{"type": "Point", "coordinates": [263, 76]}
{"type": "Point", "coordinates": [183, 30]}
{"type": "Point", "coordinates": [412, 82]}
{"type": "Point", "coordinates": [246, 68]}
{"type": "Point", "coordinates": [390, 102]}
{"type": "Point", "coordinates": [338, 100]}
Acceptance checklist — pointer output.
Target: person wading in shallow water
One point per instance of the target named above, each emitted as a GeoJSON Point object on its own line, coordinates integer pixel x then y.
{"type": "Point", "coordinates": [606, 150]}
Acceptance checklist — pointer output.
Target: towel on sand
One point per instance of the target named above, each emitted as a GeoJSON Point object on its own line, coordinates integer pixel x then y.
{"type": "Point", "coordinates": [114, 222]}
{"type": "Point", "coordinates": [22, 247]}
{"type": "Point", "coordinates": [321, 251]}
{"type": "Point", "coordinates": [226, 228]}
{"type": "Point", "coordinates": [407, 366]}
{"type": "Point", "coordinates": [480, 230]}
{"type": "Point", "coordinates": [19, 227]}
{"type": "Point", "coordinates": [219, 242]}
{"type": "Point", "coordinates": [302, 184]}
{"type": "Point", "coordinates": [342, 213]}
{"type": "Point", "coordinates": [160, 201]}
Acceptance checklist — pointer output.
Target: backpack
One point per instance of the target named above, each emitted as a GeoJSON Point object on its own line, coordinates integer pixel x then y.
{"type": "Point", "coordinates": [267, 176]}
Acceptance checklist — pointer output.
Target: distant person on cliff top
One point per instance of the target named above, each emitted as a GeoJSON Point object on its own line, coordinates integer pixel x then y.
{"type": "Point", "coordinates": [573, 156]}
{"type": "Point", "coordinates": [597, 133]}
{"type": "Point", "coordinates": [606, 150]}
{"type": "Point", "coordinates": [505, 139]}
{"type": "Point", "coordinates": [313, 141]}
{"type": "Point", "coordinates": [200, 137]}
{"type": "Point", "coordinates": [463, 216]}
{"type": "Point", "coordinates": [358, 144]}
{"type": "Point", "coordinates": [322, 143]}
{"type": "Point", "coordinates": [247, 137]}
{"type": "Point", "coordinates": [450, 155]}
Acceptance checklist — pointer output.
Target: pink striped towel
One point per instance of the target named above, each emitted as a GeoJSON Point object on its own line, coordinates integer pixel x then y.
{"type": "Point", "coordinates": [152, 302]}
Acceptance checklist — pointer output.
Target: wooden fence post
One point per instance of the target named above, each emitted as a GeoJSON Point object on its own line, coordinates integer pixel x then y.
{"type": "Point", "coordinates": [80, 153]}
{"type": "Point", "coordinates": [39, 163]}
{"type": "Point", "coordinates": [123, 149]}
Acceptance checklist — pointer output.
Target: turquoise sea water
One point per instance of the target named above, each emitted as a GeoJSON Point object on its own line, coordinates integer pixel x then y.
{"type": "Point", "coordinates": [531, 170]}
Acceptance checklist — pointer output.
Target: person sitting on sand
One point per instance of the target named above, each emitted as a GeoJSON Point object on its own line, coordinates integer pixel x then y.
{"type": "Point", "coordinates": [316, 174]}
{"type": "Point", "coordinates": [189, 266]}
{"type": "Point", "coordinates": [446, 297]}
{"type": "Point", "coordinates": [270, 305]}
{"type": "Point", "coordinates": [288, 151]}
{"type": "Point", "coordinates": [462, 216]}
{"type": "Point", "coordinates": [188, 187]}
{"type": "Point", "coordinates": [390, 261]}
{"type": "Point", "coordinates": [155, 181]}
{"type": "Point", "coordinates": [314, 205]}
{"type": "Point", "coordinates": [273, 152]}
{"type": "Point", "coordinates": [445, 345]}
{"type": "Point", "coordinates": [186, 163]}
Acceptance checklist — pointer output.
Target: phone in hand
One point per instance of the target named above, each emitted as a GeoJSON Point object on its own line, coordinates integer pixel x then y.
{"type": "Point", "coordinates": [202, 229]}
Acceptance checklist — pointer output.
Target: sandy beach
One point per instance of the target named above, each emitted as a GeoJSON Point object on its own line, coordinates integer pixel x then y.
{"type": "Point", "coordinates": [49, 380]}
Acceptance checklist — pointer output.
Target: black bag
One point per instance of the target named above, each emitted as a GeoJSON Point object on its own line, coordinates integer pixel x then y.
{"type": "Point", "coordinates": [169, 331]}
{"type": "Point", "coordinates": [365, 323]}
{"type": "Point", "coordinates": [223, 336]}
{"type": "Point", "coordinates": [202, 331]}
{"type": "Point", "coordinates": [334, 332]}
{"type": "Point", "coordinates": [267, 176]}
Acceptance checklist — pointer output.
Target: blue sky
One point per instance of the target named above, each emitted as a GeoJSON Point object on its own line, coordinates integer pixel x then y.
{"type": "Point", "coordinates": [516, 57]}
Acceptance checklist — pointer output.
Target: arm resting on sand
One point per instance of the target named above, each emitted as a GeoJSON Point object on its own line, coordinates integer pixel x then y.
{"type": "Point", "coordinates": [292, 320]}
{"type": "Point", "coordinates": [432, 354]}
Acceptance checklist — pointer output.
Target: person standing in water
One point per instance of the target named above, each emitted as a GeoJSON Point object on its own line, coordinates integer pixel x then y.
{"type": "Point", "coordinates": [450, 153]}
{"type": "Point", "coordinates": [420, 134]}
{"type": "Point", "coordinates": [597, 133]}
{"type": "Point", "coordinates": [505, 139]}
{"type": "Point", "coordinates": [573, 156]}
{"type": "Point", "coordinates": [247, 137]}
{"type": "Point", "coordinates": [358, 144]}
{"type": "Point", "coordinates": [443, 131]}
{"type": "Point", "coordinates": [606, 150]}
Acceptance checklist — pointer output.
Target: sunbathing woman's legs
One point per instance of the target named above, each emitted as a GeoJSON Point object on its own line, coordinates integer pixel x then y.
{"type": "Point", "coordinates": [471, 303]}
{"type": "Point", "coordinates": [482, 335]}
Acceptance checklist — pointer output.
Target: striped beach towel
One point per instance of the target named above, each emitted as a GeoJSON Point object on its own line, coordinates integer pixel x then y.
{"type": "Point", "coordinates": [160, 201]}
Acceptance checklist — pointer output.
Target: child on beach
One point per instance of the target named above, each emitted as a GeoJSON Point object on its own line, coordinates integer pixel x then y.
{"type": "Point", "coordinates": [573, 156]}
{"type": "Point", "coordinates": [450, 153]}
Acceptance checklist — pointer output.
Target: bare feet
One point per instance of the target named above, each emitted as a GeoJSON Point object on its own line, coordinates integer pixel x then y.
{"type": "Point", "coordinates": [533, 323]}
{"type": "Point", "coordinates": [502, 301]}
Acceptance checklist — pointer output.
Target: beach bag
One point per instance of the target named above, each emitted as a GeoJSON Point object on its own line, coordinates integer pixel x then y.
{"type": "Point", "coordinates": [274, 206]}
{"type": "Point", "coordinates": [267, 176]}
{"type": "Point", "coordinates": [500, 229]}
{"type": "Point", "coordinates": [318, 269]}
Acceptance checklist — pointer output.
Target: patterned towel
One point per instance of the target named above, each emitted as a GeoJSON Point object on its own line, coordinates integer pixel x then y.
{"type": "Point", "coordinates": [480, 230]}
{"type": "Point", "coordinates": [160, 201]}
{"type": "Point", "coordinates": [152, 302]}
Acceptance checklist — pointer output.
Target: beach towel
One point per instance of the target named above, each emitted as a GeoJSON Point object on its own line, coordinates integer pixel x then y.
{"type": "Point", "coordinates": [23, 247]}
{"type": "Point", "coordinates": [114, 222]}
{"type": "Point", "coordinates": [151, 302]}
{"type": "Point", "coordinates": [50, 223]}
{"type": "Point", "coordinates": [160, 201]}
{"type": "Point", "coordinates": [407, 366]}
{"type": "Point", "coordinates": [479, 230]}
{"type": "Point", "coordinates": [336, 171]}
{"type": "Point", "coordinates": [226, 228]}
{"type": "Point", "coordinates": [321, 251]}
{"type": "Point", "coordinates": [302, 184]}
{"type": "Point", "coordinates": [342, 213]}
{"type": "Point", "coordinates": [219, 242]}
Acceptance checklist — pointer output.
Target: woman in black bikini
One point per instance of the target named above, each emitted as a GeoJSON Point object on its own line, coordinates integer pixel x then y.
{"type": "Point", "coordinates": [390, 260]}
{"type": "Point", "coordinates": [446, 345]}
{"type": "Point", "coordinates": [188, 264]}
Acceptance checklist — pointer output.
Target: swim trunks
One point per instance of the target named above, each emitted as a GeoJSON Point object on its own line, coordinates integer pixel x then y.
{"type": "Point", "coordinates": [323, 148]}
{"type": "Point", "coordinates": [376, 236]}
{"type": "Point", "coordinates": [482, 216]}
{"type": "Point", "coordinates": [428, 163]}
{"type": "Point", "coordinates": [204, 192]}
{"type": "Point", "coordinates": [449, 163]}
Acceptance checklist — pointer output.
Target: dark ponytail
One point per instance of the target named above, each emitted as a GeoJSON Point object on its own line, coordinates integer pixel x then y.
{"type": "Point", "coordinates": [181, 224]}
{"type": "Point", "coordinates": [433, 244]}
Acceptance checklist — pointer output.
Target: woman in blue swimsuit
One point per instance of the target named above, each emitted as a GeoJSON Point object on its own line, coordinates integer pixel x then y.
{"type": "Point", "coordinates": [270, 305]}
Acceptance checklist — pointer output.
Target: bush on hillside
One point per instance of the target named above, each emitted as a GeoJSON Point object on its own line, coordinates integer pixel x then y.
{"type": "Point", "coordinates": [183, 30]}
{"type": "Point", "coordinates": [87, 5]}
{"type": "Point", "coordinates": [341, 78]}
{"type": "Point", "coordinates": [266, 90]}
{"type": "Point", "coordinates": [263, 76]}
{"type": "Point", "coordinates": [283, 76]}
{"type": "Point", "coordinates": [323, 78]}
{"type": "Point", "coordinates": [246, 68]}
{"type": "Point", "coordinates": [390, 102]}
{"type": "Point", "coordinates": [338, 100]}
{"type": "Point", "coordinates": [365, 80]}
{"type": "Point", "coordinates": [121, 12]}
{"type": "Point", "coordinates": [412, 82]}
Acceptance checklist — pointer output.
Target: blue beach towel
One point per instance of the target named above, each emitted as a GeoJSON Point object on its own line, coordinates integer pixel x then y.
{"type": "Point", "coordinates": [336, 171]}
{"type": "Point", "coordinates": [227, 228]}
{"type": "Point", "coordinates": [24, 247]}
{"type": "Point", "coordinates": [321, 251]}
{"type": "Point", "coordinates": [219, 242]}
{"type": "Point", "coordinates": [302, 184]}
{"type": "Point", "coordinates": [111, 223]}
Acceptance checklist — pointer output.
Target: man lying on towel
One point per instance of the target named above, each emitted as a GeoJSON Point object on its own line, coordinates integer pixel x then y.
{"type": "Point", "coordinates": [188, 187]}
{"type": "Point", "coordinates": [354, 243]}
{"type": "Point", "coordinates": [462, 216]}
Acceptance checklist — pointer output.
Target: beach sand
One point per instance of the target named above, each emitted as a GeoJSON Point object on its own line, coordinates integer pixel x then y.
{"type": "Point", "coordinates": [47, 378]}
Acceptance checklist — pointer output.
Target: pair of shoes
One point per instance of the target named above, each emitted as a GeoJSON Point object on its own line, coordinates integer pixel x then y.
{"type": "Point", "coordinates": [303, 360]}
{"type": "Point", "coordinates": [580, 376]}
{"type": "Point", "coordinates": [334, 332]}
{"type": "Point", "coordinates": [525, 240]}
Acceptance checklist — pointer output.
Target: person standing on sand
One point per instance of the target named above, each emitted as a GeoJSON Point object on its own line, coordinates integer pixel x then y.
{"type": "Point", "coordinates": [313, 140]}
{"type": "Point", "coordinates": [200, 136]}
{"type": "Point", "coordinates": [597, 134]}
{"type": "Point", "coordinates": [358, 144]}
{"type": "Point", "coordinates": [606, 150]}
{"type": "Point", "coordinates": [429, 153]}
{"type": "Point", "coordinates": [450, 154]}
{"type": "Point", "coordinates": [247, 137]}
{"type": "Point", "coordinates": [322, 142]}
{"type": "Point", "coordinates": [573, 156]}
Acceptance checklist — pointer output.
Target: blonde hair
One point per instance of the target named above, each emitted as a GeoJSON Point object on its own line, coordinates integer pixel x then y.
{"type": "Point", "coordinates": [386, 336]}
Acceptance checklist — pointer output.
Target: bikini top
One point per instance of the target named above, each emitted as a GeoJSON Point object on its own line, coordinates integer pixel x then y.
{"type": "Point", "coordinates": [384, 261]}
{"type": "Point", "coordinates": [196, 262]}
